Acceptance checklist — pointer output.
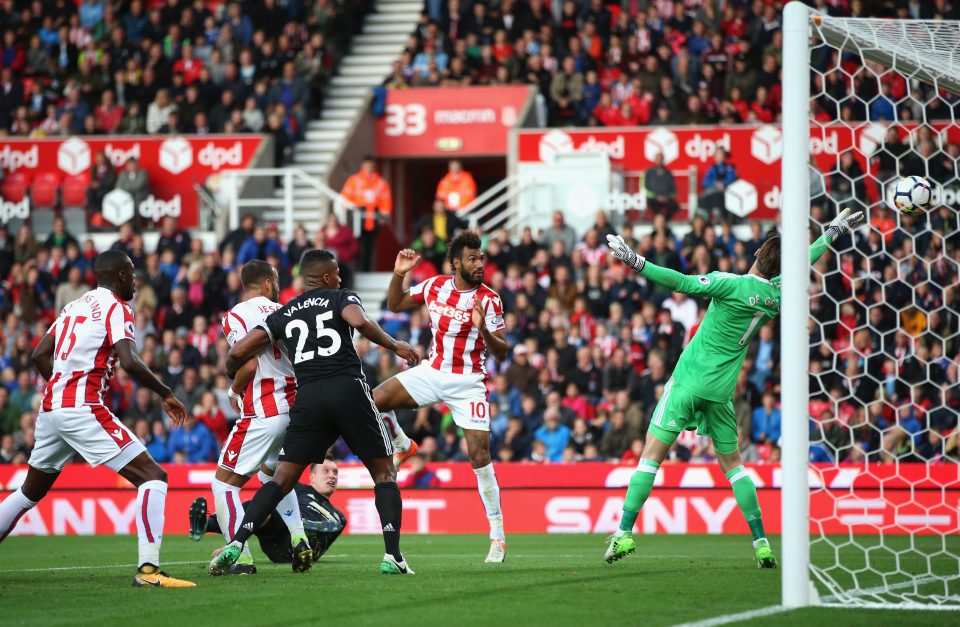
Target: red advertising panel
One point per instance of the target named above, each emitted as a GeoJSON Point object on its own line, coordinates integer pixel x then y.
{"type": "Point", "coordinates": [553, 498]}
{"type": "Point", "coordinates": [174, 165]}
{"type": "Point", "coordinates": [532, 475]}
{"type": "Point", "coordinates": [467, 121]}
{"type": "Point", "coordinates": [755, 150]}
{"type": "Point", "coordinates": [533, 510]}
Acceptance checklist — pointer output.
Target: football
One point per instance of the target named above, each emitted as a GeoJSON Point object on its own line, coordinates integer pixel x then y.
{"type": "Point", "coordinates": [911, 195]}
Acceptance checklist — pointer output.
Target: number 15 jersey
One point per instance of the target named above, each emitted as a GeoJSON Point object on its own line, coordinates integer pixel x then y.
{"type": "Point", "coordinates": [316, 338]}
{"type": "Point", "coordinates": [83, 357]}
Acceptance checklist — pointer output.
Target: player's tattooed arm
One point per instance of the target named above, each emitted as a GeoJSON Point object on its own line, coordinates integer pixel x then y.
{"type": "Point", "coordinates": [246, 350]}
{"type": "Point", "coordinates": [397, 299]}
{"type": "Point", "coordinates": [43, 357]}
{"type": "Point", "coordinates": [496, 341]}
{"type": "Point", "coordinates": [130, 361]}
{"type": "Point", "coordinates": [356, 317]}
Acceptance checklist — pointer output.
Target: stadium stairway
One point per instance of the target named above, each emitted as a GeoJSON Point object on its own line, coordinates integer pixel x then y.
{"type": "Point", "coordinates": [371, 287]}
{"type": "Point", "coordinates": [370, 60]}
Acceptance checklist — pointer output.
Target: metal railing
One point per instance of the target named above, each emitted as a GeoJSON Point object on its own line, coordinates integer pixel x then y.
{"type": "Point", "coordinates": [495, 208]}
{"type": "Point", "coordinates": [234, 181]}
{"type": "Point", "coordinates": [482, 212]}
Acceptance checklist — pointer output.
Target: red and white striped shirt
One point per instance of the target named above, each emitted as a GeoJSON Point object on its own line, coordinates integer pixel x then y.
{"type": "Point", "coordinates": [457, 345]}
{"type": "Point", "coordinates": [83, 355]}
{"type": "Point", "coordinates": [274, 387]}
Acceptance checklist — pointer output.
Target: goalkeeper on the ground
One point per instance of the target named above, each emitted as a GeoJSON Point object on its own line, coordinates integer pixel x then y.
{"type": "Point", "coordinates": [700, 393]}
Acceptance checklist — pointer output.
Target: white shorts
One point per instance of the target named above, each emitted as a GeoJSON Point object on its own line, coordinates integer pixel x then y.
{"type": "Point", "coordinates": [251, 442]}
{"type": "Point", "coordinates": [91, 430]}
{"type": "Point", "coordinates": [464, 394]}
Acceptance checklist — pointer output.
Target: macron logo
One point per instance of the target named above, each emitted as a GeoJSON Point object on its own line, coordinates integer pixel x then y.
{"type": "Point", "coordinates": [231, 455]}
{"type": "Point", "coordinates": [117, 433]}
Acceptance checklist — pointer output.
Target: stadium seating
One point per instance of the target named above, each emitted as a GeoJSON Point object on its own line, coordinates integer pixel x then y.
{"type": "Point", "coordinates": [73, 192]}
{"type": "Point", "coordinates": [15, 186]}
{"type": "Point", "coordinates": [45, 190]}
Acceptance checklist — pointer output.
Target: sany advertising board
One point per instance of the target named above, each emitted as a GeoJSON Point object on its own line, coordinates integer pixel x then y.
{"type": "Point", "coordinates": [556, 498]}
{"type": "Point", "coordinates": [173, 164]}
{"type": "Point", "coordinates": [467, 121]}
{"type": "Point", "coordinates": [754, 150]}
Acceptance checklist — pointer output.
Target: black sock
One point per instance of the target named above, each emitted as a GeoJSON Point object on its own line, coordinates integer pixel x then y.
{"type": "Point", "coordinates": [390, 507]}
{"type": "Point", "coordinates": [213, 525]}
{"type": "Point", "coordinates": [264, 502]}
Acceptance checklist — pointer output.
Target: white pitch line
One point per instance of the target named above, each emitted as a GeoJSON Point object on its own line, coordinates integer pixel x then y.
{"type": "Point", "coordinates": [920, 581]}
{"type": "Point", "coordinates": [52, 568]}
{"type": "Point", "coordinates": [726, 619]}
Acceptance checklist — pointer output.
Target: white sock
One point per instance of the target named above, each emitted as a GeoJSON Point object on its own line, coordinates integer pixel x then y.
{"type": "Point", "coordinates": [12, 510]}
{"type": "Point", "coordinates": [151, 501]}
{"type": "Point", "coordinates": [226, 498]}
{"type": "Point", "coordinates": [400, 440]}
{"type": "Point", "coordinates": [289, 510]}
{"type": "Point", "coordinates": [490, 494]}
{"type": "Point", "coordinates": [263, 477]}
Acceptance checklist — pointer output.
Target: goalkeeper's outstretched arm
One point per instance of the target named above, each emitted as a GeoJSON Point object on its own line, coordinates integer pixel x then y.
{"type": "Point", "coordinates": [714, 285]}
{"type": "Point", "coordinates": [846, 221]}
{"type": "Point", "coordinates": [675, 281]}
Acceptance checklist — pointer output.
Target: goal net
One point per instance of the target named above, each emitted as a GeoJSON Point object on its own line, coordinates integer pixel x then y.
{"type": "Point", "coordinates": [882, 398]}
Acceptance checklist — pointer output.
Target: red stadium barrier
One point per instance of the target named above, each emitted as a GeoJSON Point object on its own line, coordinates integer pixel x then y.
{"type": "Point", "coordinates": [535, 510]}
{"type": "Point", "coordinates": [532, 475]}
{"type": "Point", "coordinates": [557, 498]}
{"type": "Point", "coordinates": [174, 164]}
{"type": "Point", "coordinates": [461, 121]}
{"type": "Point", "coordinates": [754, 150]}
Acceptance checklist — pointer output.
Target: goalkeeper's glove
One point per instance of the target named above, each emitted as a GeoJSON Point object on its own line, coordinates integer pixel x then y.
{"type": "Point", "coordinates": [845, 221]}
{"type": "Point", "coordinates": [624, 253]}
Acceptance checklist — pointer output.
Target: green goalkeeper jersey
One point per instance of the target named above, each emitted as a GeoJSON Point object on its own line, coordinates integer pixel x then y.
{"type": "Point", "coordinates": [740, 305]}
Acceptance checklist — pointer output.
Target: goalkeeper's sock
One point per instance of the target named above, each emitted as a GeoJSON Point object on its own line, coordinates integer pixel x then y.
{"type": "Point", "coordinates": [289, 511]}
{"type": "Point", "coordinates": [745, 491]}
{"type": "Point", "coordinates": [641, 483]}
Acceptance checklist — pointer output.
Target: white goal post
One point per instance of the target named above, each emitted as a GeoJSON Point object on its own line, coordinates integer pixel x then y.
{"type": "Point", "coordinates": [911, 557]}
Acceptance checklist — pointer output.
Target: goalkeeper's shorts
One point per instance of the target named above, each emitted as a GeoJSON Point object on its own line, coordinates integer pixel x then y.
{"type": "Point", "coordinates": [679, 410]}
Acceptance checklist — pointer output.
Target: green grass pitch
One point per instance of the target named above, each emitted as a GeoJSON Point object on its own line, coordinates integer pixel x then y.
{"type": "Point", "coordinates": [546, 580]}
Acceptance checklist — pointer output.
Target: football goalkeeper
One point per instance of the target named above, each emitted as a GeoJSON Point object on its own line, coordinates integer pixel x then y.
{"type": "Point", "coordinates": [700, 393]}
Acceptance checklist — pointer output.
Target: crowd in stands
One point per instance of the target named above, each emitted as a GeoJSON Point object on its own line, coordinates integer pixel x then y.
{"type": "Point", "coordinates": [645, 62]}
{"type": "Point", "coordinates": [593, 344]}
{"type": "Point", "coordinates": [101, 67]}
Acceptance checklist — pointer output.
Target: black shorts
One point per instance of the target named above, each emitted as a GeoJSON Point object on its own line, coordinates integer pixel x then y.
{"type": "Point", "coordinates": [336, 407]}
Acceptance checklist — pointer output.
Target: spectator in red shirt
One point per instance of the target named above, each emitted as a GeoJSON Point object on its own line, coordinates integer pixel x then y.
{"type": "Point", "coordinates": [108, 113]}
{"type": "Point", "coordinates": [606, 113]}
{"type": "Point", "coordinates": [188, 66]}
{"type": "Point", "coordinates": [419, 476]}
{"type": "Point", "coordinates": [761, 107]}
{"type": "Point", "coordinates": [209, 414]}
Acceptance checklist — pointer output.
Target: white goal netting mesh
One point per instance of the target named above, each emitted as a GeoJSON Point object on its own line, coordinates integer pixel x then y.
{"type": "Point", "coordinates": [884, 344]}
